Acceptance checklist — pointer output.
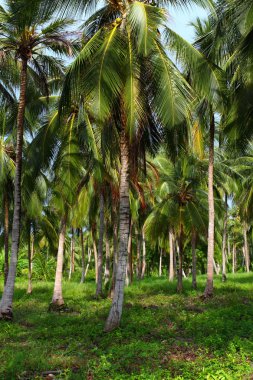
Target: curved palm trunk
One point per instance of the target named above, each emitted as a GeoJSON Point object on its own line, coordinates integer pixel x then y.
{"type": "Point", "coordinates": [6, 237]}
{"type": "Point", "coordinates": [100, 248]}
{"type": "Point", "coordinates": [57, 299]}
{"type": "Point", "coordinates": [114, 317]}
{"type": "Point", "coordinates": [7, 298]}
{"type": "Point", "coordinates": [224, 244]}
{"type": "Point", "coordinates": [194, 259]}
{"type": "Point", "coordinates": [210, 251]}
{"type": "Point", "coordinates": [171, 241]}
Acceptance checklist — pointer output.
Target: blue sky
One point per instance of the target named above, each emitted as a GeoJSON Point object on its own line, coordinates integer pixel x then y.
{"type": "Point", "coordinates": [180, 20]}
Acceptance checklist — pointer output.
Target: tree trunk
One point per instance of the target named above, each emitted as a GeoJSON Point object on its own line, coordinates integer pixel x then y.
{"type": "Point", "coordinates": [107, 256]}
{"type": "Point", "coordinates": [6, 236]}
{"type": "Point", "coordinates": [228, 250]}
{"type": "Point", "coordinates": [129, 277]}
{"type": "Point", "coordinates": [57, 299]}
{"type": "Point", "coordinates": [160, 263]}
{"type": "Point", "coordinates": [171, 241]}
{"type": "Point", "coordinates": [194, 259]}
{"type": "Point", "coordinates": [180, 262]}
{"type": "Point", "coordinates": [216, 267]}
{"type": "Point", "coordinates": [83, 256]}
{"type": "Point", "coordinates": [210, 251]}
{"type": "Point", "coordinates": [7, 297]}
{"type": "Point", "coordinates": [138, 258]}
{"type": "Point", "coordinates": [144, 264]}
{"type": "Point", "coordinates": [72, 254]}
{"type": "Point", "coordinates": [115, 249]}
{"type": "Point", "coordinates": [93, 232]}
{"type": "Point", "coordinates": [246, 247]}
{"type": "Point", "coordinates": [100, 247]}
{"type": "Point", "coordinates": [88, 263]}
{"type": "Point", "coordinates": [234, 258]}
{"type": "Point", "coordinates": [114, 317]}
{"type": "Point", "coordinates": [175, 251]}
{"type": "Point", "coordinates": [30, 259]}
{"type": "Point", "coordinates": [224, 242]}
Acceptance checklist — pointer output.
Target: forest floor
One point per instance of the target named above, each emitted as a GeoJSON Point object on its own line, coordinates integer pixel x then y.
{"type": "Point", "coordinates": [162, 336]}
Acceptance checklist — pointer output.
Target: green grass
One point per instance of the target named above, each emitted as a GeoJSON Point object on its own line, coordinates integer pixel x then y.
{"type": "Point", "coordinates": [163, 335]}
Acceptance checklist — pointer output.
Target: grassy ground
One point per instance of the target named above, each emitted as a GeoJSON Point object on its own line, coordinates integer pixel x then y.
{"type": "Point", "coordinates": [162, 336]}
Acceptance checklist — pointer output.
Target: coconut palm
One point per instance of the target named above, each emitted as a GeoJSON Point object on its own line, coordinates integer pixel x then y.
{"type": "Point", "coordinates": [180, 202]}
{"type": "Point", "coordinates": [109, 73]}
{"type": "Point", "coordinates": [24, 32]}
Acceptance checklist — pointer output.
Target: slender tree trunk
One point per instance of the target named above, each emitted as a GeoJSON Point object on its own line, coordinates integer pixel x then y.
{"type": "Point", "coordinates": [229, 250]}
{"type": "Point", "coordinates": [6, 236]}
{"type": "Point", "coordinates": [234, 258]}
{"type": "Point", "coordinates": [224, 243]}
{"type": "Point", "coordinates": [171, 241]}
{"type": "Point", "coordinates": [246, 247]}
{"type": "Point", "coordinates": [210, 252]}
{"type": "Point", "coordinates": [180, 262]}
{"type": "Point", "coordinates": [144, 264]}
{"type": "Point", "coordinates": [93, 232]}
{"type": "Point", "coordinates": [115, 249]}
{"type": "Point", "coordinates": [57, 299]}
{"type": "Point", "coordinates": [100, 247]}
{"type": "Point", "coordinates": [107, 256]}
{"type": "Point", "coordinates": [175, 251]}
{"type": "Point", "coordinates": [7, 297]}
{"type": "Point", "coordinates": [72, 254]}
{"type": "Point", "coordinates": [216, 267]}
{"type": "Point", "coordinates": [194, 259]}
{"type": "Point", "coordinates": [138, 259]}
{"type": "Point", "coordinates": [129, 277]}
{"type": "Point", "coordinates": [83, 256]}
{"type": "Point", "coordinates": [30, 259]}
{"type": "Point", "coordinates": [160, 263]}
{"type": "Point", "coordinates": [114, 317]}
{"type": "Point", "coordinates": [88, 263]}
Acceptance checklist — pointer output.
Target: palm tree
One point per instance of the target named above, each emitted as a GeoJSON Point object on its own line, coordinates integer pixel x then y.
{"type": "Point", "coordinates": [109, 73]}
{"type": "Point", "coordinates": [180, 202]}
{"type": "Point", "coordinates": [24, 32]}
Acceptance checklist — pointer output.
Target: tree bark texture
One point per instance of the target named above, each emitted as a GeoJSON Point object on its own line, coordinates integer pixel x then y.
{"type": "Point", "coordinates": [7, 297]}
{"type": "Point", "coordinates": [57, 299]}
{"type": "Point", "coordinates": [114, 317]}
{"type": "Point", "coordinates": [100, 246]}
{"type": "Point", "coordinates": [6, 236]}
{"type": "Point", "coordinates": [211, 213]}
